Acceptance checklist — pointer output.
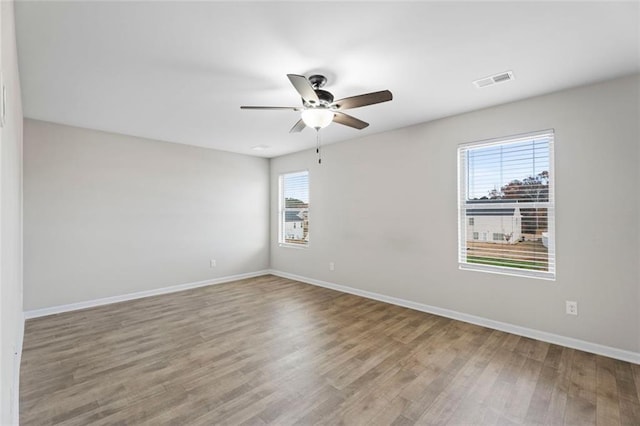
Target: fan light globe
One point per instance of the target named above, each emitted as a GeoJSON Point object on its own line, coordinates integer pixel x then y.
{"type": "Point", "coordinates": [317, 118]}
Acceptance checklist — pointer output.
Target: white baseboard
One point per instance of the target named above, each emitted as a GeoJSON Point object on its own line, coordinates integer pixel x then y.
{"type": "Point", "coordinates": [544, 336]}
{"type": "Point", "coordinates": [35, 313]}
{"type": "Point", "coordinates": [569, 342]}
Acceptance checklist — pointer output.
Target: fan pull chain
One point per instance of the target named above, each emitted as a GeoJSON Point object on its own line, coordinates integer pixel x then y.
{"type": "Point", "coordinates": [318, 146]}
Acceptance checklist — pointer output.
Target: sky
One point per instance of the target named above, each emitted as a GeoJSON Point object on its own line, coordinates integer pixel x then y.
{"type": "Point", "coordinates": [492, 167]}
{"type": "Point", "coordinates": [296, 185]}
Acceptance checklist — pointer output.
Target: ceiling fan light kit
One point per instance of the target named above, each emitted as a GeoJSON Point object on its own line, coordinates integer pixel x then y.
{"type": "Point", "coordinates": [317, 118]}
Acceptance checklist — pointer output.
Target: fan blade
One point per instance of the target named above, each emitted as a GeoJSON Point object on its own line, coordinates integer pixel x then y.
{"type": "Point", "coordinates": [305, 89]}
{"type": "Point", "coordinates": [348, 120]}
{"type": "Point", "coordinates": [272, 107]}
{"type": "Point", "coordinates": [363, 100]}
{"type": "Point", "coordinates": [298, 127]}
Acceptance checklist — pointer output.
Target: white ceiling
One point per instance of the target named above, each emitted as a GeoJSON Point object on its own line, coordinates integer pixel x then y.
{"type": "Point", "coordinates": [178, 71]}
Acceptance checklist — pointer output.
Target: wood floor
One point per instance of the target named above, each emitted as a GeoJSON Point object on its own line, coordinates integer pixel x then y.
{"type": "Point", "coordinates": [274, 351]}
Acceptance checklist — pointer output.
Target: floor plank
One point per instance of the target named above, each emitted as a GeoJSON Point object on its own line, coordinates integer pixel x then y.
{"type": "Point", "coordinates": [272, 351]}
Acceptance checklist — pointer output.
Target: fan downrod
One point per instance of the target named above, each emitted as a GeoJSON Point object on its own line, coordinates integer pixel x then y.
{"type": "Point", "coordinates": [317, 81]}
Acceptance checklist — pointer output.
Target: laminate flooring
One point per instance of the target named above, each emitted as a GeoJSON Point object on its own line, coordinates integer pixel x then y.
{"type": "Point", "coordinates": [269, 350]}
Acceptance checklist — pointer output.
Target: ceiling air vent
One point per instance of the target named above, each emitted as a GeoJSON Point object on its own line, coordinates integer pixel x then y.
{"type": "Point", "coordinates": [494, 79]}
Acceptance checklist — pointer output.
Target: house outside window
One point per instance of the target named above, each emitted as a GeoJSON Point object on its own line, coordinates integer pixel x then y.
{"type": "Point", "coordinates": [506, 197]}
{"type": "Point", "coordinates": [294, 209]}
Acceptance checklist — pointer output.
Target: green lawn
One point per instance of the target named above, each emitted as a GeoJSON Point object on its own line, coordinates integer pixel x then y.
{"type": "Point", "coordinates": [510, 263]}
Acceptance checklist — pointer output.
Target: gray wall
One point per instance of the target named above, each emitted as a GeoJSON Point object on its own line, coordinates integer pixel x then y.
{"type": "Point", "coordinates": [108, 215]}
{"type": "Point", "coordinates": [383, 208]}
{"type": "Point", "coordinates": [11, 318]}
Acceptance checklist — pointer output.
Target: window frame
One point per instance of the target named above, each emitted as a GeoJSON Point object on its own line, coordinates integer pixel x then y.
{"type": "Point", "coordinates": [463, 205]}
{"type": "Point", "coordinates": [282, 211]}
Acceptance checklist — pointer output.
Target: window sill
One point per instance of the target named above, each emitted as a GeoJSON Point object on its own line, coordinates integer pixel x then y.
{"type": "Point", "coordinates": [294, 246]}
{"type": "Point", "coordinates": [541, 275]}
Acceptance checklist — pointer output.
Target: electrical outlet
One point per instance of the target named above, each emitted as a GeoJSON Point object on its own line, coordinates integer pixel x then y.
{"type": "Point", "coordinates": [572, 307]}
{"type": "Point", "coordinates": [213, 263]}
{"type": "Point", "coordinates": [332, 266]}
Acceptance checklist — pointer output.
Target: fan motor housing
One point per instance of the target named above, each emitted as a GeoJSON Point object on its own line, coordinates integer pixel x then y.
{"type": "Point", "coordinates": [325, 97]}
{"type": "Point", "coordinates": [318, 81]}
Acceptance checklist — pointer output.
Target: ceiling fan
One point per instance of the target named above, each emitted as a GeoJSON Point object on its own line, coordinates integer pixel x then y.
{"type": "Point", "coordinates": [318, 107]}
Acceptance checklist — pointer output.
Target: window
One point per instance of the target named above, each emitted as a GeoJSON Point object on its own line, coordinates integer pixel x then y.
{"type": "Point", "coordinates": [294, 209]}
{"type": "Point", "coordinates": [505, 189]}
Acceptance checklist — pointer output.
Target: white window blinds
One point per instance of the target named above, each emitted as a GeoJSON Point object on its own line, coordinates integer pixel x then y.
{"type": "Point", "coordinates": [506, 205]}
{"type": "Point", "coordinates": [294, 208]}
